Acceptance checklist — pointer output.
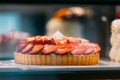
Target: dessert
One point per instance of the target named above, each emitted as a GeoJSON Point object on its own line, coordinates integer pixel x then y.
{"type": "Point", "coordinates": [44, 50]}
{"type": "Point", "coordinates": [8, 42]}
{"type": "Point", "coordinates": [115, 39]}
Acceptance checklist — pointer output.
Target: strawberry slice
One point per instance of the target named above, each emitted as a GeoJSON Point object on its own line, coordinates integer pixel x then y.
{"type": "Point", "coordinates": [74, 40]}
{"type": "Point", "coordinates": [118, 15]}
{"type": "Point", "coordinates": [49, 49]}
{"type": "Point", "coordinates": [21, 46]}
{"type": "Point", "coordinates": [62, 49]}
{"type": "Point", "coordinates": [96, 48]}
{"type": "Point", "coordinates": [36, 49]}
{"type": "Point", "coordinates": [78, 49]}
{"type": "Point", "coordinates": [92, 48]}
{"type": "Point", "coordinates": [89, 51]}
{"type": "Point", "coordinates": [38, 39]}
{"type": "Point", "coordinates": [27, 48]}
{"type": "Point", "coordinates": [30, 39]}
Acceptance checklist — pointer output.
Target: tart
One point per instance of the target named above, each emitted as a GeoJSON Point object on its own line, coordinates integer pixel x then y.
{"type": "Point", "coordinates": [44, 50]}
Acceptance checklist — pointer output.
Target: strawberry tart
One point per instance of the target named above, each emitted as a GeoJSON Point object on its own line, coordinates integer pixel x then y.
{"type": "Point", "coordinates": [46, 50]}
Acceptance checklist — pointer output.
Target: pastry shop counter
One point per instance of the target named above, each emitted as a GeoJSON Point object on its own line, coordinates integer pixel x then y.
{"type": "Point", "coordinates": [105, 68]}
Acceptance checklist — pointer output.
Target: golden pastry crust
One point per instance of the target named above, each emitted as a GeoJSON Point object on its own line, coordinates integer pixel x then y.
{"type": "Point", "coordinates": [27, 59]}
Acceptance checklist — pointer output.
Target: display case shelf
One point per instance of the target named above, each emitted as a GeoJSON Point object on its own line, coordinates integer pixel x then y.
{"type": "Point", "coordinates": [11, 66]}
{"type": "Point", "coordinates": [105, 68]}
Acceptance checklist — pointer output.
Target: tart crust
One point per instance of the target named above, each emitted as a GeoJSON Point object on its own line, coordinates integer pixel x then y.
{"type": "Point", "coordinates": [27, 59]}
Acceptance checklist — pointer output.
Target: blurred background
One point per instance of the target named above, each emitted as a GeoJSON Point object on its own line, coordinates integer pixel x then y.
{"type": "Point", "coordinates": [30, 20]}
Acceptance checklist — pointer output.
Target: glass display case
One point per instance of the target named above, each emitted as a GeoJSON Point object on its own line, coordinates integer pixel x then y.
{"type": "Point", "coordinates": [23, 19]}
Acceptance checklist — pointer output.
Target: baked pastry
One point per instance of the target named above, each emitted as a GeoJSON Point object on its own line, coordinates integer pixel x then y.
{"type": "Point", "coordinates": [44, 50]}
